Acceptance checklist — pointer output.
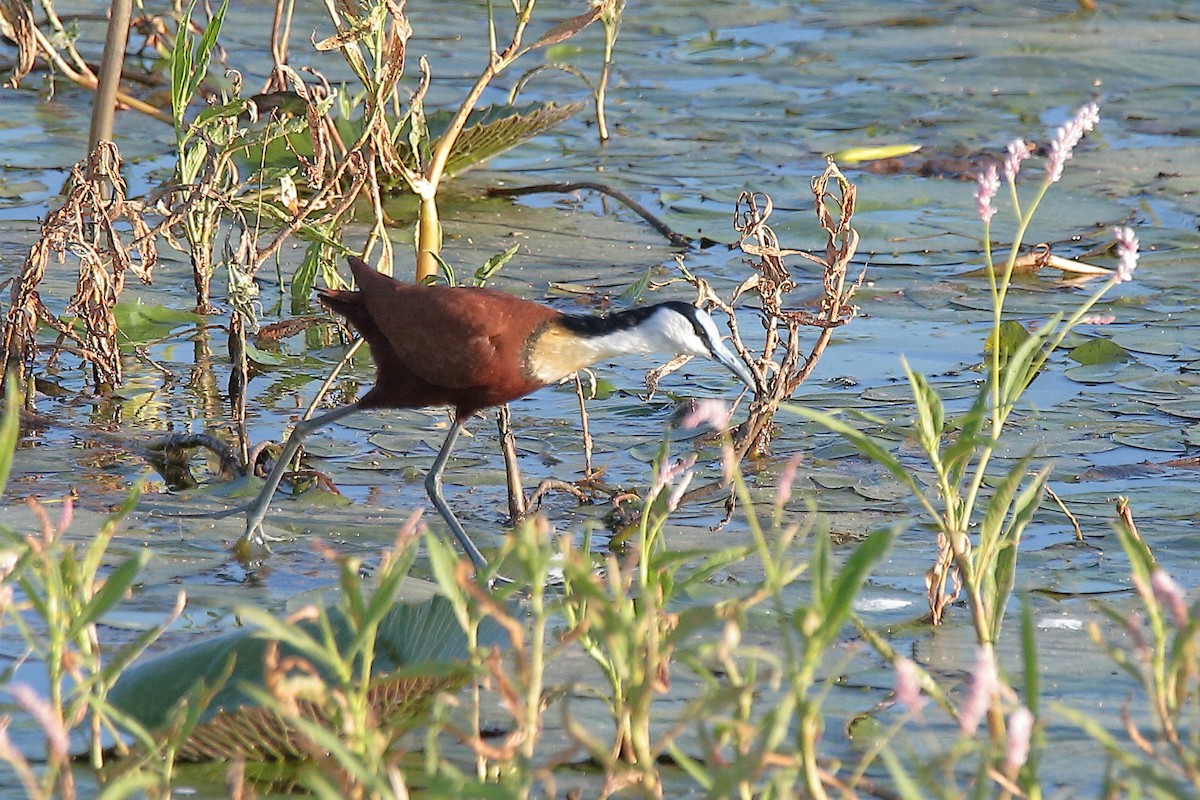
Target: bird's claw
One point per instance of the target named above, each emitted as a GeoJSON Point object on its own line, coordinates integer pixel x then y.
{"type": "Point", "coordinates": [254, 542]}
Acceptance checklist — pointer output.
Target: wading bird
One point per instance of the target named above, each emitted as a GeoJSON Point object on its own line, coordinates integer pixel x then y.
{"type": "Point", "coordinates": [474, 348]}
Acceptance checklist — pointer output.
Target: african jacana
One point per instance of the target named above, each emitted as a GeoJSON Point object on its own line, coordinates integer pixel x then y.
{"type": "Point", "coordinates": [473, 348]}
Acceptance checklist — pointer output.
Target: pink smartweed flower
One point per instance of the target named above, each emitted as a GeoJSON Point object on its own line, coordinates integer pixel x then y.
{"type": "Point", "coordinates": [1067, 136]}
{"type": "Point", "coordinates": [56, 734]}
{"type": "Point", "coordinates": [711, 411]}
{"type": "Point", "coordinates": [1127, 252]}
{"type": "Point", "coordinates": [1018, 151]}
{"type": "Point", "coordinates": [987, 184]}
{"type": "Point", "coordinates": [908, 686]}
{"type": "Point", "coordinates": [1098, 319]}
{"type": "Point", "coordinates": [1170, 594]}
{"type": "Point", "coordinates": [729, 463]}
{"type": "Point", "coordinates": [783, 492]}
{"type": "Point", "coordinates": [677, 476]}
{"type": "Point", "coordinates": [985, 687]}
{"type": "Point", "coordinates": [1020, 731]}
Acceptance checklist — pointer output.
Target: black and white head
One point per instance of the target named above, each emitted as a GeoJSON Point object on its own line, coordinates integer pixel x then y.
{"type": "Point", "coordinates": [673, 327]}
{"type": "Point", "coordinates": [694, 332]}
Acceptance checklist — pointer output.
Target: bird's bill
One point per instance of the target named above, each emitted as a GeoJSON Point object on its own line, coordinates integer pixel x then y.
{"type": "Point", "coordinates": [734, 364]}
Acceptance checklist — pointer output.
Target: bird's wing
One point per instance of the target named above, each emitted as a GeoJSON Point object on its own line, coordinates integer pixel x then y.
{"type": "Point", "coordinates": [457, 338]}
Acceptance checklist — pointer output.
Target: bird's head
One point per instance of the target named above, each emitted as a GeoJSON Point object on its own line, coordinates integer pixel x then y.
{"type": "Point", "coordinates": [692, 331]}
{"type": "Point", "coordinates": [573, 342]}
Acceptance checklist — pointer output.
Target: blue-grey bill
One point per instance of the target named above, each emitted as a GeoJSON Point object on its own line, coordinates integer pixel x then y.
{"type": "Point", "coordinates": [734, 364]}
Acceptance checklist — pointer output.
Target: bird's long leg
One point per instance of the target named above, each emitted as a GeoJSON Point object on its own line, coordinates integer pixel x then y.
{"type": "Point", "coordinates": [433, 485]}
{"type": "Point", "coordinates": [257, 511]}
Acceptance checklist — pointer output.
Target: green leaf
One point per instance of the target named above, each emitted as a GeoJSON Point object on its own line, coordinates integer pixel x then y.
{"type": "Point", "coordinates": [305, 278]}
{"type": "Point", "coordinates": [10, 431]}
{"type": "Point", "coordinates": [493, 130]}
{"type": "Point", "coordinates": [493, 265]}
{"type": "Point", "coordinates": [114, 588]}
{"type": "Point", "coordinates": [997, 510]}
{"type": "Point", "coordinates": [836, 606]}
{"type": "Point", "coordinates": [1029, 655]}
{"type": "Point", "coordinates": [264, 358]}
{"type": "Point", "coordinates": [957, 456]}
{"type": "Point", "coordinates": [1099, 351]}
{"type": "Point", "coordinates": [1012, 336]}
{"type": "Point", "coordinates": [189, 68]}
{"type": "Point", "coordinates": [930, 413]}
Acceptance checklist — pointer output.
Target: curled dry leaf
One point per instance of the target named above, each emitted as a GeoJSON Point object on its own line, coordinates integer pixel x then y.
{"type": "Point", "coordinates": [1040, 256]}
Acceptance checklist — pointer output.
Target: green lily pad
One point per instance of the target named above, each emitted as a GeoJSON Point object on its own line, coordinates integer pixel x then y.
{"type": "Point", "coordinates": [1099, 351]}
{"type": "Point", "coordinates": [141, 322]}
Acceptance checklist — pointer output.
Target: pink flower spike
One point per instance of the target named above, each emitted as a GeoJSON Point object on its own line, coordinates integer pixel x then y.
{"type": "Point", "coordinates": [68, 512]}
{"type": "Point", "coordinates": [1020, 732]}
{"type": "Point", "coordinates": [680, 488]}
{"type": "Point", "coordinates": [908, 686]}
{"type": "Point", "coordinates": [1067, 137]}
{"type": "Point", "coordinates": [987, 184]}
{"type": "Point", "coordinates": [714, 412]}
{"type": "Point", "coordinates": [1018, 151]}
{"type": "Point", "coordinates": [783, 492]}
{"type": "Point", "coordinates": [985, 686]}
{"type": "Point", "coordinates": [1127, 252]}
{"type": "Point", "coordinates": [56, 733]}
{"type": "Point", "coordinates": [669, 474]}
{"type": "Point", "coordinates": [1098, 319]}
{"type": "Point", "coordinates": [1170, 594]}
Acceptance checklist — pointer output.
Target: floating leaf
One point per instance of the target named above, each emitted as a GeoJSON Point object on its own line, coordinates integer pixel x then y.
{"type": "Point", "coordinates": [1099, 351]}
{"type": "Point", "coordinates": [1012, 336]}
{"type": "Point", "coordinates": [140, 323]}
{"type": "Point", "coordinates": [855, 155]}
{"type": "Point", "coordinates": [264, 358]}
{"type": "Point", "coordinates": [255, 733]}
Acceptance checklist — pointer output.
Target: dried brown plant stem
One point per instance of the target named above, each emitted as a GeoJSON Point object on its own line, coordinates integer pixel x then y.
{"type": "Point", "coordinates": [783, 364]}
{"type": "Point", "coordinates": [835, 211]}
{"type": "Point", "coordinates": [281, 30]}
{"type": "Point", "coordinates": [676, 239]}
{"type": "Point", "coordinates": [512, 468]}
